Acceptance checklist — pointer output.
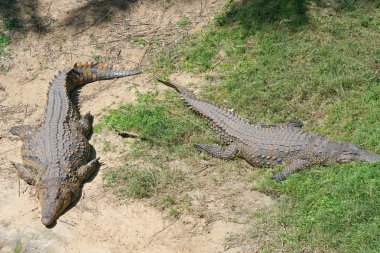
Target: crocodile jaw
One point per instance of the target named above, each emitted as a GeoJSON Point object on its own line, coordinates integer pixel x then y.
{"type": "Point", "coordinates": [366, 156]}
{"type": "Point", "coordinates": [55, 197]}
{"type": "Point", "coordinates": [348, 152]}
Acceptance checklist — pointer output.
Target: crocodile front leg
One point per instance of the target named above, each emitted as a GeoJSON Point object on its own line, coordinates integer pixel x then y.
{"type": "Point", "coordinates": [296, 165]}
{"type": "Point", "coordinates": [86, 171]}
{"type": "Point", "coordinates": [23, 131]}
{"type": "Point", "coordinates": [85, 124]}
{"type": "Point", "coordinates": [25, 173]}
{"type": "Point", "coordinates": [219, 151]}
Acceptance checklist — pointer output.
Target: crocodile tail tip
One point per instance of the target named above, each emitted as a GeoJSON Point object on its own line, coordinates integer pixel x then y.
{"type": "Point", "coordinates": [167, 83]}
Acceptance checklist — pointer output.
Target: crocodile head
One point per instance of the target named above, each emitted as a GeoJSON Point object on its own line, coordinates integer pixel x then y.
{"type": "Point", "coordinates": [345, 152]}
{"type": "Point", "coordinates": [55, 195]}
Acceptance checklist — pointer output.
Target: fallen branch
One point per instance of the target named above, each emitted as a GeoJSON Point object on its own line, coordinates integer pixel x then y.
{"type": "Point", "coordinates": [127, 135]}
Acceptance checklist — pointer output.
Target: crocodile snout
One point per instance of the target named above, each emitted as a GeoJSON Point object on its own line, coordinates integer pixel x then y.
{"type": "Point", "coordinates": [47, 220]}
{"type": "Point", "coordinates": [54, 197]}
{"type": "Point", "coordinates": [369, 157]}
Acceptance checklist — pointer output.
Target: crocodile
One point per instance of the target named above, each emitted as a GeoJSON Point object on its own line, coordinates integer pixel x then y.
{"type": "Point", "coordinates": [267, 144]}
{"type": "Point", "coordinates": [57, 157]}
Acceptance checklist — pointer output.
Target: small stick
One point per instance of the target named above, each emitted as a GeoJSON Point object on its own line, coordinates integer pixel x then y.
{"type": "Point", "coordinates": [51, 1]}
{"type": "Point", "coordinates": [9, 150]}
{"type": "Point", "coordinates": [199, 171]}
{"type": "Point", "coordinates": [68, 223]}
{"type": "Point", "coordinates": [158, 232]}
{"type": "Point", "coordinates": [26, 111]}
{"type": "Point", "coordinates": [127, 135]}
{"type": "Point", "coordinates": [27, 81]}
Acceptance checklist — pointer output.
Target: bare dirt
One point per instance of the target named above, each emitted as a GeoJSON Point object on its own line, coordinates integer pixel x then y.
{"type": "Point", "coordinates": [67, 31]}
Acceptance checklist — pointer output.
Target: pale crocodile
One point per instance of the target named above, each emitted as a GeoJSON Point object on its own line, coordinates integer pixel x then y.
{"type": "Point", "coordinates": [56, 155]}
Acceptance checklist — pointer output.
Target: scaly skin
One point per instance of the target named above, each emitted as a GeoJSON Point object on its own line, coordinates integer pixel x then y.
{"type": "Point", "coordinates": [56, 155]}
{"type": "Point", "coordinates": [270, 144]}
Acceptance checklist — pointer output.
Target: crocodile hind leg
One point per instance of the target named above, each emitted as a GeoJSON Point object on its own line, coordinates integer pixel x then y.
{"type": "Point", "coordinates": [25, 173]}
{"type": "Point", "coordinates": [85, 124]}
{"type": "Point", "coordinates": [219, 151]}
{"type": "Point", "coordinates": [296, 165]}
{"type": "Point", "coordinates": [23, 131]}
{"type": "Point", "coordinates": [86, 171]}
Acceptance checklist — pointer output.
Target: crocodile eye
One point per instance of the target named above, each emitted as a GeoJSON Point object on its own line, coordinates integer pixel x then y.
{"type": "Point", "coordinates": [347, 156]}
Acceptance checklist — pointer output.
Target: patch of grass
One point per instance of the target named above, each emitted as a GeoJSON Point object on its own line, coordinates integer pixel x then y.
{"type": "Point", "coordinates": [12, 23]}
{"type": "Point", "coordinates": [183, 22]}
{"type": "Point", "coordinates": [96, 57]}
{"type": "Point", "coordinates": [4, 41]}
{"type": "Point", "coordinates": [174, 212]}
{"type": "Point", "coordinates": [18, 248]}
{"type": "Point", "coordinates": [99, 58]}
{"type": "Point", "coordinates": [107, 146]}
{"type": "Point", "coordinates": [137, 182]}
{"type": "Point", "coordinates": [108, 17]}
{"type": "Point", "coordinates": [140, 41]}
{"type": "Point", "coordinates": [168, 201]}
{"type": "Point", "coordinates": [165, 136]}
{"type": "Point", "coordinates": [334, 208]}
{"type": "Point", "coordinates": [162, 123]}
{"type": "Point", "coordinates": [141, 182]}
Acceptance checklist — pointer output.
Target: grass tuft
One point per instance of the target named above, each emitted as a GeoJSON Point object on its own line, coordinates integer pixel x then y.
{"type": "Point", "coordinates": [183, 22]}
{"type": "Point", "coordinates": [162, 123]}
{"type": "Point", "coordinates": [4, 41]}
{"type": "Point", "coordinates": [12, 23]}
{"type": "Point", "coordinates": [138, 182]}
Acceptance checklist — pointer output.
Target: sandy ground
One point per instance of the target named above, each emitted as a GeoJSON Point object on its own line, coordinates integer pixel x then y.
{"type": "Point", "coordinates": [70, 31]}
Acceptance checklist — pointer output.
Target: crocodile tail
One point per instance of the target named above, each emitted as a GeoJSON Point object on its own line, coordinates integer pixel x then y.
{"type": "Point", "coordinates": [83, 73]}
{"type": "Point", "coordinates": [179, 89]}
{"type": "Point", "coordinates": [224, 121]}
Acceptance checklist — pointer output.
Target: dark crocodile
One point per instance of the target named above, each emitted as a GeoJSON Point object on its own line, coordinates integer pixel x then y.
{"type": "Point", "coordinates": [56, 155]}
{"type": "Point", "coordinates": [268, 145]}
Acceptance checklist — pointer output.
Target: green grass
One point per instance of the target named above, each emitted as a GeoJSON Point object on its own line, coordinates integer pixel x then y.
{"type": "Point", "coordinates": [276, 61]}
{"type": "Point", "coordinates": [335, 209]}
{"type": "Point", "coordinates": [183, 22]}
{"type": "Point", "coordinates": [162, 123]}
{"type": "Point", "coordinates": [18, 247]}
{"type": "Point", "coordinates": [12, 23]}
{"type": "Point", "coordinates": [4, 41]}
{"type": "Point", "coordinates": [166, 132]}
{"type": "Point", "coordinates": [159, 182]}
{"type": "Point", "coordinates": [138, 183]}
